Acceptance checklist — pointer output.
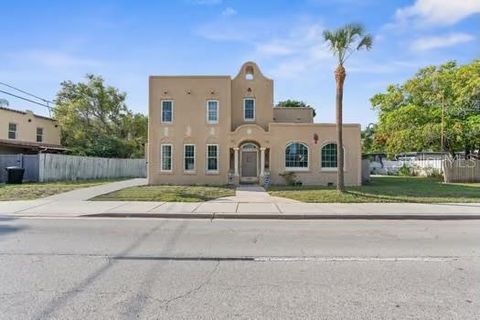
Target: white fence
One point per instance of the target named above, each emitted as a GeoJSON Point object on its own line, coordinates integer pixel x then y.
{"type": "Point", "coordinates": [59, 167]}
{"type": "Point", "coordinates": [422, 167]}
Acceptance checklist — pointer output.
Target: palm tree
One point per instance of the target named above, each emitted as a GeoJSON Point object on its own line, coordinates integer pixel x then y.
{"type": "Point", "coordinates": [343, 42]}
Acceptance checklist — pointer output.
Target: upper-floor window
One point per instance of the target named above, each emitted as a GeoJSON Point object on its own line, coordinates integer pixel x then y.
{"type": "Point", "coordinates": [39, 134]}
{"type": "Point", "coordinates": [329, 156]}
{"type": "Point", "coordinates": [189, 157]}
{"type": "Point", "coordinates": [166, 157]}
{"type": "Point", "coordinates": [167, 111]}
{"type": "Point", "coordinates": [248, 109]}
{"type": "Point", "coordinates": [12, 131]}
{"type": "Point", "coordinates": [296, 156]}
{"type": "Point", "coordinates": [212, 111]}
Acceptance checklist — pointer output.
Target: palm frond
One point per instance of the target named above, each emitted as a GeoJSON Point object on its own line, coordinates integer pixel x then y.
{"type": "Point", "coordinates": [355, 29]}
{"type": "Point", "coordinates": [347, 39]}
{"type": "Point", "coordinates": [366, 42]}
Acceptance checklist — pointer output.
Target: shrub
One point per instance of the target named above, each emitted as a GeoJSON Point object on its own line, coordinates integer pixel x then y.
{"type": "Point", "coordinates": [290, 178]}
{"type": "Point", "coordinates": [406, 171]}
{"type": "Point", "coordinates": [435, 173]}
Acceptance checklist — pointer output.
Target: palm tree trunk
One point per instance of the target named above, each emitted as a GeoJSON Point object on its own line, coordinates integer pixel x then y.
{"type": "Point", "coordinates": [340, 75]}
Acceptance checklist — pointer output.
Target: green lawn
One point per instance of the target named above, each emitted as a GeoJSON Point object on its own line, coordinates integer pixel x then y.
{"type": "Point", "coordinates": [30, 191]}
{"type": "Point", "coordinates": [386, 189]}
{"type": "Point", "coordinates": [169, 193]}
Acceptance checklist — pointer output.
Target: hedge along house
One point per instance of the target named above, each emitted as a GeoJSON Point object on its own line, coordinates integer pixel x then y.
{"type": "Point", "coordinates": [219, 130]}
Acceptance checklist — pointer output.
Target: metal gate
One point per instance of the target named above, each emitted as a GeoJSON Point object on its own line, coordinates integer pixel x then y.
{"type": "Point", "coordinates": [27, 161]}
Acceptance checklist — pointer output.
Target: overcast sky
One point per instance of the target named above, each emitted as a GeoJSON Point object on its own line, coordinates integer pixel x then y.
{"type": "Point", "coordinates": [46, 42]}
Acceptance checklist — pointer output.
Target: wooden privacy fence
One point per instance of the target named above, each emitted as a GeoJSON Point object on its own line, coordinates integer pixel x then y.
{"type": "Point", "coordinates": [59, 167]}
{"type": "Point", "coordinates": [461, 170]}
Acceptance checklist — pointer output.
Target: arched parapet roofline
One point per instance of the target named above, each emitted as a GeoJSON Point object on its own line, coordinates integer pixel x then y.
{"type": "Point", "coordinates": [250, 67]}
{"type": "Point", "coordinates": [247, 126]}
{"type": "Point", "coordinates": [250, 133]}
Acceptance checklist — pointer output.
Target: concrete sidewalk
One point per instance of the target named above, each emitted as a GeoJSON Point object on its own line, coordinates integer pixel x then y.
{"type": "Point", "coordinates": [249, 202]}
{"type": "Point", "coordinates": [83, 194]}
{"type": "Point", "coordinates": [238, 210]}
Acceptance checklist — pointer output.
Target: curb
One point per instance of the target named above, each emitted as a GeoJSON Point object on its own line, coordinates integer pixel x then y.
{"type": "Point", "coordinates": [264, 216]}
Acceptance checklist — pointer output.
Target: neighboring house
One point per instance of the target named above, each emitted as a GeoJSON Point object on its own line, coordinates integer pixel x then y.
{"type": "Point", "coordinates": [25, 132]}
{"type": "Point", "coordinates": [215, 130]}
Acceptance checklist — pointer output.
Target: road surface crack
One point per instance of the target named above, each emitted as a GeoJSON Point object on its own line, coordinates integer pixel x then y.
{"type": "Point", "coordinates": [194, 290]}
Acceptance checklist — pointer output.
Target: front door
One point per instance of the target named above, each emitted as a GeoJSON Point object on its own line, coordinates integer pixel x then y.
{"type": "Point", "coordinates": [249, 166]}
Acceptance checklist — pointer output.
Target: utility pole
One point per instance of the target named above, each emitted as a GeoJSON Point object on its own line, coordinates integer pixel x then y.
{"type": "Point", "coordinates": [443, 125]}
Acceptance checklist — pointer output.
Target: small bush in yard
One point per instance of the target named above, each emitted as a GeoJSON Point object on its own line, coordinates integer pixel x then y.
{"type": "Point", "coordinates": [406, 171]}
{"type": "Point", "coordinates": [290, 178]}
{"type": "Point", "coordinates": [435, 173]}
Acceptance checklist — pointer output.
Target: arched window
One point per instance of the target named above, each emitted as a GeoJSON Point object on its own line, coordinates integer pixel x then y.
{"type": "Point", "coordinates": [329, 156]}
{"type": "Point", "coordinates": [296, 156]}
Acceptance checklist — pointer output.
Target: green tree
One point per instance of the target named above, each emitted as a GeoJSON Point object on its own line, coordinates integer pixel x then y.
{"type": "Point", "coordinates": [369, 144]}
{"type": "Point", "coordinates": [294, 104]}
{"type": "Point", "coordinates": [4, 103]}
{"type": "Point", "coordinates": [343, 42]}
{"type": "Point", "coordinates": [436, 110]}
{"type": "Point", "coordinates": [95, 120]}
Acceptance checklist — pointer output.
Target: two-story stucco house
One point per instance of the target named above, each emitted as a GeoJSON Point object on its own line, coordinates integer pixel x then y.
{"type": "Point", "coordinates": [216, 130]}
{"type": "Point", "coordinates": [26, 132]}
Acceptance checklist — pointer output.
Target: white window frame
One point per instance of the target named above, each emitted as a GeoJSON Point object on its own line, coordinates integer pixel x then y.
{"type": "Point", "coordinates": [37, 135]}
{"type": "Point", "coordinates": [194, 158]}
{"type": "Point", "coordinates": [331, 169]}
{"type": "Point", "coordinates": [161, 110]}
{"type": "Point", "coordinates": [254, 109]}
{"type": "Point", "coordinates": [218, 160]}
{"type": "Point", "coordinates": [15, 132]}
{"type": "Point", "coordinates": [217, 112]}
{"type": "Point", "coordinates": [161, 157]}
{"type": "Point", "coordinates": [297, 169]}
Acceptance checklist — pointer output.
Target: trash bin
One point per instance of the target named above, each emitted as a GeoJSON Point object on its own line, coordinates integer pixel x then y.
{"type": "Point", "coordinates": [14, 174]}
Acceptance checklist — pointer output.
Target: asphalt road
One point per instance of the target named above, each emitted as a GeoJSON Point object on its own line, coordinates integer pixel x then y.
{"type": "Point", "coordinates": [197, 269]}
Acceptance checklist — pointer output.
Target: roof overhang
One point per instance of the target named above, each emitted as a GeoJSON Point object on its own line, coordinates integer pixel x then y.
{"type": "Point", "coordinates": [31, 145]}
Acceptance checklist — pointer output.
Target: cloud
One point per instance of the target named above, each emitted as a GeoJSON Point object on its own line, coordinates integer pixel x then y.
{"type": "Point", "coordinates": [297, 50]}
{"type": "Point", "coordinates": [437, 12]}
{"type": "Point", "coordinates": [433, 42]}
{"type": "Point", "coordinates": [228, 12]}
{"type": "Point", "coordinates": [290, 47]}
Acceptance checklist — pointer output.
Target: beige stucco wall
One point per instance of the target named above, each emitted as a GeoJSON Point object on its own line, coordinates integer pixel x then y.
{"type": "Point", "coordinates": [300, 115]}
{"type": "Point", "coordinates": [190, 96]}
{"type": "Point", "coordinates": [283, 134]}
{"type": "Point", "coordinates": [27, 131]}
{"type": "Point", "coordinates": [260, 88]}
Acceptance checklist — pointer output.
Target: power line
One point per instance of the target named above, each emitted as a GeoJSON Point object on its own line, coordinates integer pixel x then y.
{"type": "Point", "coordinates": [25, 92]}
{"type": "Point", "coordinates": [26, 99]}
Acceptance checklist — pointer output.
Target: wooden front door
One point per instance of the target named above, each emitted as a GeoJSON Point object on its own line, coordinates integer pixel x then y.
{"type": "Point", "coordinates": [249, 172]}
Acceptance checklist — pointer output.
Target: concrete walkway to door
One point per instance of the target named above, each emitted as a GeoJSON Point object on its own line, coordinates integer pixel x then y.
{"type": "Point", "coordinates": [248, 193]}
